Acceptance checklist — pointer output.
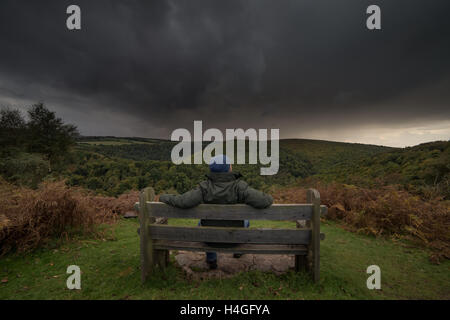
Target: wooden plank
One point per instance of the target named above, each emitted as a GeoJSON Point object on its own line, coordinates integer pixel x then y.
{"type": "Point", "coordinates": [240, 248]}
{"type": "Point", "coordinates": [234, 212]}
{"type": "Point", "coordinates": [300, 260]}
{"type": "Point", "coordinates": [322, 235]}
{"type": "Point", "coordinates": [147, 254]}
{"type": "Point", "coordinates": [230, 235]}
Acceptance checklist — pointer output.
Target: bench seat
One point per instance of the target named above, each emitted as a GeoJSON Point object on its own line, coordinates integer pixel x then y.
{"type": "Point", "coordinates": [239, 248]}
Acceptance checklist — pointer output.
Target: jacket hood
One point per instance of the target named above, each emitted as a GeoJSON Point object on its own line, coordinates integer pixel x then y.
{"type": "Point", "coordinates": [223, 176]}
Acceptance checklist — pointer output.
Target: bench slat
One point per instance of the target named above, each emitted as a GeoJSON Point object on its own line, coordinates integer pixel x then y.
{"type": "Point", "coordinates": [234, 212]}
{"type": "Point", "coordinates": [230, 235]}
{"type": "Point", "coordinates": [240, 248]}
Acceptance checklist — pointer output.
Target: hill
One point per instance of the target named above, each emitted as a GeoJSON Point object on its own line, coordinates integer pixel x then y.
{"type": "Point", "coordinates": [423, 169]}
{"type": "Point", "coordinates": [326, 154]}
{"type": "Point", "coordinates": [321, 153]}
{"type": "Point", "coordinates": [112, 165]}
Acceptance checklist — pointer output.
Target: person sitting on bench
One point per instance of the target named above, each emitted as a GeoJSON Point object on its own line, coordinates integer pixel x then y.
{"type": "Point", "coordinates": [223, 186]}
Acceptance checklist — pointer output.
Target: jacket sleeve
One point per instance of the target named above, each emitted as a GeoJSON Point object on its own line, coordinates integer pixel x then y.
{"type": "Point", "coordinates": [186, 200]}
{"type": "Point", "coordinates": [253, 197]}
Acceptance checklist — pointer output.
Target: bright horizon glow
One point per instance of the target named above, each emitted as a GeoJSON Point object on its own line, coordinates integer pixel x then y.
{"type": "Point", "coordinates": [397, 137]}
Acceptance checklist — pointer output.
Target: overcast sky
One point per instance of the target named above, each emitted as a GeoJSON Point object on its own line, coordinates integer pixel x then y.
{"type": "Point", "coordinates": [310, 68]}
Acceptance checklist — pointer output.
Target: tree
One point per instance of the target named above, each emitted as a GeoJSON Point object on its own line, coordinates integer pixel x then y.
{"type": "Point", "coordinates": [12, 129]}
{"type": "Point", "coordinates": [48, 134]}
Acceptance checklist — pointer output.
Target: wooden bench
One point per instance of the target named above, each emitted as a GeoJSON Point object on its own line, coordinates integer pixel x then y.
{"type": "Point", "coordinates": [157, 239]}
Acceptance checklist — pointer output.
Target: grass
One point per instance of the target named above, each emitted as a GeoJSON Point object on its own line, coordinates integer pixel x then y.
{"type": "Point", "coordinates": [110, 270]}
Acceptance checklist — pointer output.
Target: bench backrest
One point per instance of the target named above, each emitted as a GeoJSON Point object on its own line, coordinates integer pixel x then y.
{"type": "Point", "coordinates": [292, 212]}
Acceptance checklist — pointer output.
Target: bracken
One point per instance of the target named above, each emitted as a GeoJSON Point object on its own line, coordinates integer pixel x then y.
{"type": "Point", "coordinates": [29, 218]}
{"type": "Point", "coordinates": [383, 211]}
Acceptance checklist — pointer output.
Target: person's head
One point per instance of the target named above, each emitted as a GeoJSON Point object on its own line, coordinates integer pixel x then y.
{"type": "Point", "coordinates": [220, 163]}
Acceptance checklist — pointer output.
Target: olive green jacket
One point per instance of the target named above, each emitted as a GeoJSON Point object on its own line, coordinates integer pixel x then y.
{"type": "Point", "coordinates": [220, 188]}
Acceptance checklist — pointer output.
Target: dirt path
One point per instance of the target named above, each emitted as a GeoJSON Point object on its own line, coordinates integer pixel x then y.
{"type": "Point", "coordinates": [194, 264]}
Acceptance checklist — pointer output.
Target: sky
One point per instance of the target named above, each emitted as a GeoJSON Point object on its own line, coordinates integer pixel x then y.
{"type": "Point", "coordinates": [309, 68]}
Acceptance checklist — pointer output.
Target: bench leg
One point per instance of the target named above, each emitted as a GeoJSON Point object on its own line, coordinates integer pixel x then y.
{"type": "Point", "coordinates": [146, 245]}
{"type": "Point", "coordinates": [300, 263]}
{"type": "Point", "coordinates": [309, 260]}
{"type": "Point", "coordinates": [162, 256]}
{"type": "Point", "coordinates": [313, 197]}
{"type": "Point", "coordinates": [301, 260]}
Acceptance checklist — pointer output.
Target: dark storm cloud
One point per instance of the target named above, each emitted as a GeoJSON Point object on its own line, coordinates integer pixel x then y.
{"type": "Point", "coordinates": [159, 65]}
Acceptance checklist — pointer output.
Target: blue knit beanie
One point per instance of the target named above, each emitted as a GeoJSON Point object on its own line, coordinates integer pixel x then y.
{"type": "Point", "coordinates": [220, 163]}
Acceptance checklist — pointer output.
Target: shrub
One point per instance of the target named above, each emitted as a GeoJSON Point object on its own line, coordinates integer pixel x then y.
{"type": "Point", "coordinates": [24, 169]}
{"type": "Point", "coordinates": [383, 211]}
{"type": "Point", "coordinates": [29, 218]}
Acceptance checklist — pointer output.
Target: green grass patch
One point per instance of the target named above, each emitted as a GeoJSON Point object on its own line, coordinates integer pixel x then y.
{"type": "Point", "coordinates": [110, 270]}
